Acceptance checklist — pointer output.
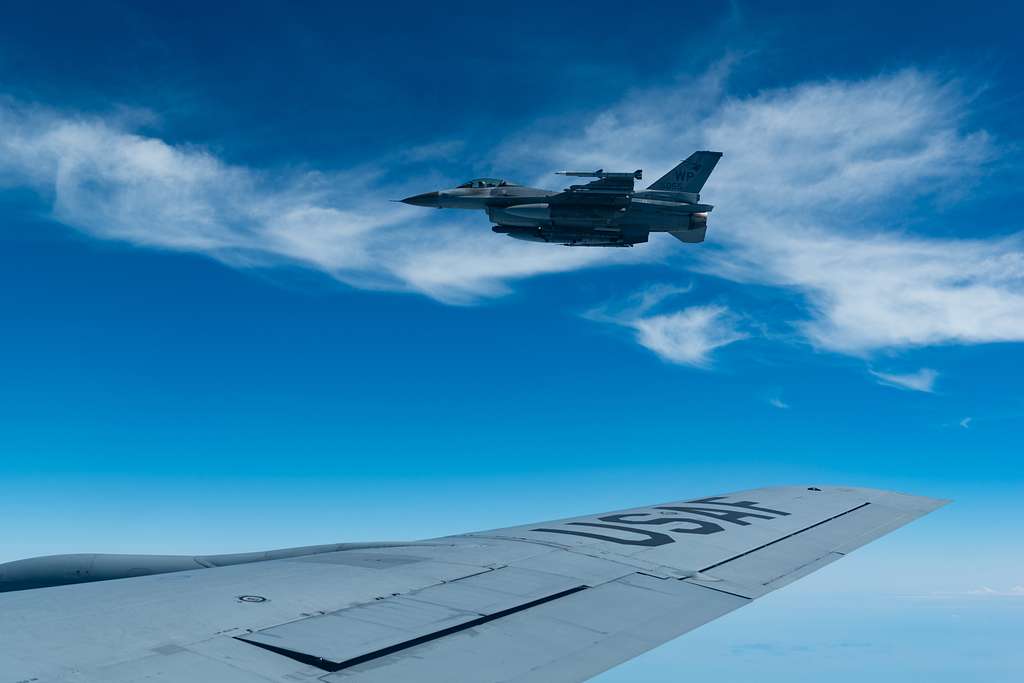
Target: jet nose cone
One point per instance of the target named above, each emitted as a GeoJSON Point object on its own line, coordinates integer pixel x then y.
{"type": "Point", "coordinates": [425, 199]}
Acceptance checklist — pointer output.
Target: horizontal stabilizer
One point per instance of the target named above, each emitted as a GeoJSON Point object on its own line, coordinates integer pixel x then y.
{"type": "Point", "coordinates": [690, 236]}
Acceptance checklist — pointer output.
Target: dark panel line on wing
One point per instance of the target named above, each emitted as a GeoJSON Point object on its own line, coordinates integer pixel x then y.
{"type": "Point", "coordinates": [719, 590]}
{"type": "Point", "coordinates": [779, 540]}
{"type": "Point", "coordinates": [327, 665]}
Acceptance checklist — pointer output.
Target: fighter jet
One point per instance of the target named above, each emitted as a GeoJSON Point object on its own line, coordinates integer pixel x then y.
{"type": "Point", "coordinates": [606, 212]}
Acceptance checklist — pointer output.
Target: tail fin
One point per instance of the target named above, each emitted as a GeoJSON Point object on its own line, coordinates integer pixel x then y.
{"type": "Point", "coordinates": [690, 175]}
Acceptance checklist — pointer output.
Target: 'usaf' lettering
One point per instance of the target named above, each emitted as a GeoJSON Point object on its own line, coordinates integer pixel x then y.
{"type": "Point", "coordinates": [648, 537]}
{"type": "Point", "coordinates": [734, 516]}
{"type": "Point", "coordinates": [747, 504]}
{"type": "Point", "coordinates": [630, 524]}
{"type": "Point", "coordinates": [700, 526]}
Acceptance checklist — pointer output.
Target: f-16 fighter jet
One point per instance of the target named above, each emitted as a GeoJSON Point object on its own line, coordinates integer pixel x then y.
{"type": "Point", "coordinates": [606, 212]}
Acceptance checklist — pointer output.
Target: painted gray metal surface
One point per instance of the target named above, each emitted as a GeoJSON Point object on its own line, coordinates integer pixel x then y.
{"type": "Point", "coordinates": [344, 635]}
{"type": "Point", "coordinates": [606, 212]}
{"type": "Point", "coordinates": [565, 640]}
{"type": "Point", "coordinates": [61, 570]}
{"type": "Point", "coordinates": [554, 601]}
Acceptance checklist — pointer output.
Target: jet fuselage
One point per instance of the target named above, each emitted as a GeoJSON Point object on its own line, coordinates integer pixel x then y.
{"type": "Point", "coordinates": [605, 212]}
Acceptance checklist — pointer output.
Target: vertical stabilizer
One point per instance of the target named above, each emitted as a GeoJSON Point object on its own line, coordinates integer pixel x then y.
{"type": "Point", "coordinates": [690, 175]}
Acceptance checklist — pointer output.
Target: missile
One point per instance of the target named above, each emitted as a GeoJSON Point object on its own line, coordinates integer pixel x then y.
{"type": "Point", "coordinates": [638, 174]}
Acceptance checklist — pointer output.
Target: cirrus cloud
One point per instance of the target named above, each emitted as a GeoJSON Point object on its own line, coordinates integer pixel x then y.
{"type": "Point", "coordinates": [799, 195]}
{"type": "Point", "coordinates": [804, 202]}
{"type": "Point", "coordinates": [922, 380]}
{"type": "Point", "coordinates": [112, 183]}
{"type": "Point", "coordinates": [685, 337]}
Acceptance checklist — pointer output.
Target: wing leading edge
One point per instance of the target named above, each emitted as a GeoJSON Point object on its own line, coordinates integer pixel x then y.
{"type": "Point", "coordinates": [556, 601]}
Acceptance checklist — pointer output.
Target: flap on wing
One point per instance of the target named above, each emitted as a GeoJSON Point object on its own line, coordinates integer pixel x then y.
{"type": "Point", "coordinates": [343, 638]}
{"type": "Point", "coordinates": [567, 639]}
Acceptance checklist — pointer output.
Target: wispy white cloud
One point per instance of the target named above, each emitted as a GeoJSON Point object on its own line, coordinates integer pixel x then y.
{"type": "Point", "coordinates": [985, 591]}
{"type": "Point", "coordinates": [777, 402]}
{"type": "Point", "coordinates": [922, 380]}
{"type": "Point", "coordinates": [886, 291]}
{"type": "Point", "coordinates": [800, 197]}
{"type": "Point", "coordinates": [978, 592]}
{"type": "Point", "coordinates": [112, 183]}
{"type": "Point", "coordinates": [686, 337]}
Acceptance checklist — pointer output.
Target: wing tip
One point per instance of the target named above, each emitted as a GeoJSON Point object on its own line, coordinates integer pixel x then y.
{"type": "Point", "coordinates": [898, 499]}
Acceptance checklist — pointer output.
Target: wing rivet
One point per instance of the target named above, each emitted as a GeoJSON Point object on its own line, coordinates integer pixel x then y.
{"type": "Point", "coordinates": [251, 598]}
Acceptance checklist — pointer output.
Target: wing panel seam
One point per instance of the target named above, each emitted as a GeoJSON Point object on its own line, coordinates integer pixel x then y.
{"type": "Point", "coordinates": [779, 540]}
{"type": "Point", "coordinates": [718, 590]}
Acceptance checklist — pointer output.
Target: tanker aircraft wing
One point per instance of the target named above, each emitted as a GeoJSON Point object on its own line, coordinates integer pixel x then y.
{"type": "Point", "coordinates": [554, 601]}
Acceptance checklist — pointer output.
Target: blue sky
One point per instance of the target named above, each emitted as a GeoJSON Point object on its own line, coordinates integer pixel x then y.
{"type": "Point", "coordinates": [219, 335]}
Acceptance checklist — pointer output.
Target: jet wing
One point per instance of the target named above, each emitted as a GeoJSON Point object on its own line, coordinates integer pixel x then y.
{"type": "Point", "coordinates": [554, 601]}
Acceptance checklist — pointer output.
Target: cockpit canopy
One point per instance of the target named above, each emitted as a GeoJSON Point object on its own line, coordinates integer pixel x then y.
{"type": "Point", "coordinates": [487, 182]}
